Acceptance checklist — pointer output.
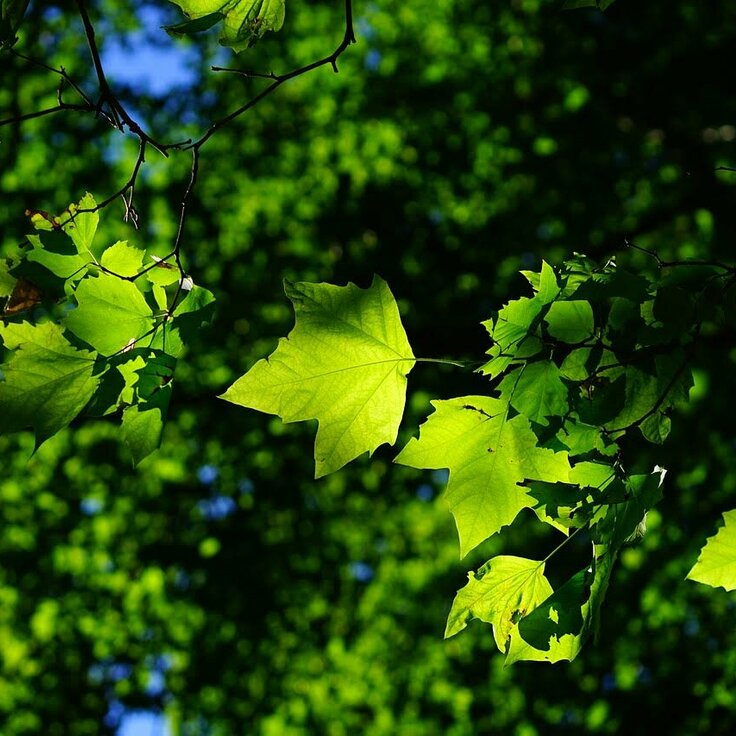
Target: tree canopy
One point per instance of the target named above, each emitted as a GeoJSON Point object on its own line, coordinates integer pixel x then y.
{"type": "Point", "coordinates": [166, 553]}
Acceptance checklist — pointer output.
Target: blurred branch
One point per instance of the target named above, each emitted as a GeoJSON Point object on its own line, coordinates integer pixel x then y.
{"type": "Point", "coordinates": [278, 79]}
{"type": "Point", "coordinates": [109, 107]}
{"type": "Point", "coordinates": [671, 264]}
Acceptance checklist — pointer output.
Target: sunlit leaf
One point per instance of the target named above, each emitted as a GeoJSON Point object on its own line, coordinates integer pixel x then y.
{"type": "Point", "coordinates": [245, 21]}
{"type": "Point", "coordinates": [47, 380]}
{"type": "Point", "coordinates": [500, 593]}
{"type": "Point", "coordinates": [345, 364]}
{"type": "Point", "coordinates": [716, 565]}
{"type": "Point", "coordinates": [112, 314]}
{"type": "Point", "coordinates": [488, 457]}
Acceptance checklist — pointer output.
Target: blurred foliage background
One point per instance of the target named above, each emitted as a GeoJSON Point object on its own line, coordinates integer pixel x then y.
{"type": "Point", "coordinates": [217, 585]}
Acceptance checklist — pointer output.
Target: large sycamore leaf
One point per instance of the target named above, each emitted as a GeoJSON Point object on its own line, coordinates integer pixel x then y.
{"type": "Point", "coordinates": [489, 457]}
{"type": "Point", "coordinates": [504, 590]}
{"type": "Point", "coordinates": [47, 380]}
{"type": "Point", "coordinates": [345, 364]}
{"type": "Point", "coordinates": [245, 21]}
{"type": "Point", "coordinates": [112, 314]}
{"type": "Point", "coordinates": [716, 565]}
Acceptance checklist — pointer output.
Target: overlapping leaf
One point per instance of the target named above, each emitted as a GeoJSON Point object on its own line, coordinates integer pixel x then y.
{"type": "Point", "coordinates": [111, 315]}
{"type": "Point", "coordinates": [489, 456]}
{"type": "Point", "coordinates": [245, 21]}
{"type": "Point", "coordinates": [47, 381]}
{"type": "Point", "coordinates": [499, 593]}
{"type": "Point", "coordinates": [345, 364]}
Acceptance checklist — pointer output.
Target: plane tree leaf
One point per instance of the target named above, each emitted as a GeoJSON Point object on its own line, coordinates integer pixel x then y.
{"type": "Point", "coordinates": [345, 364]}
{"type": "Point", "coordinates": [122, 259]}
{"type": "Point", "coordinates": [537, 391]}
{"type": "Point", "coordinates": [570, 321]}
{"type": "Point", "coordinates": [499, 593]}
{"type": "Point", "coordinates": [489, 456]}
{"type": "Point", "coordinates": [716, 565]}
{"type": "Point", "coordinates": [80, 222]}
{"type": "Point", "coordinates": [111, 314]}
{"type": "Point", "coordinates": [47, 381]}
{"type": "Point", "coordinates": [143, 424]}
{"type": "Point", "coordinates": [244, 21]}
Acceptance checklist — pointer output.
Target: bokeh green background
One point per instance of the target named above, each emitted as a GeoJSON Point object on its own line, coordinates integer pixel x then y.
{"type": "Point", "coordinates": [217, 583]}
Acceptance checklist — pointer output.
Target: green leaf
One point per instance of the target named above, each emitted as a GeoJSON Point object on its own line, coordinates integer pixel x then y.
{"type": "Point", "coordinates": [580, 438]}
{"type": "Point", "coordinates": [536, 391]}
{"type": "Point", "coordinates": [571, 322]}
{"type": "Point", "coordinates": [81, 225]}
{"type": "Point", "coordinates": [488, 457]}
{"type": "Point", "coordinates": [716, 565]}
{"type": "Point", "coordinates": [61, 264]}
{"type": "Point", "coordinates": [616, 523]}
{"type": "Point", "coordinates": [557, 629]}
{"type": "Point", "coordinates": [112, 314]}
{"type": "Point", "coordinates": [558, 504]}
{"type": "Point", "coordinates": [552, 631]}
{"type": "Point", "coordinates": [143, 424]}
{"type": "Point", "coordinates": [122, 259]}
{"type": "Point", "coordinates": [514, 322]}
{"type": "Point", "coordinates": [7, 281]}
{"type": "Point", "coordinates": [191, 314]}
{"type": "Point", "coordinates": [163, 273]}
{"type": "Point", "coordinates": [47, 380]}
{"type": "Point", "coordinates": [664, 383]}
{"type": "Point", "coordinates": [656, 428]}
{"type": "Point", "coordinates": [345, 364]}
{"type": "Point", "coordinates": [245, 20]}
{"type": "Point", "coordinates": [500, 593]}
{"type": "Point", "coordinates": [198, 25]}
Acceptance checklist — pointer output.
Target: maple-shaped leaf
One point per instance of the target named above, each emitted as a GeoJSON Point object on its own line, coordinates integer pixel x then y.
{"type": "Point", "coordinates": [143, 424]}
{"type": "Point", "coordinates": [122, 259]}
{"type": "Point", "coordinates": [345, 364]}
{"type": "Point", "coordinates": [716, 565]}
{"type": "Point", "coordinates": [112, 314]}
{"type": "Point", "coordinates": [571, 321]}
{"type": "Point", "coordinates": [504, 590]}
{"type": "Point", "coordinates": [47, 380]}
{"type": "Point", "coordinates": [513, 327]}
{"type": "Point", "coordinates": [245, 21]}
{"type": "Point", "coordinates": [557, 629]}
{"type": "Point", "coordinates": [537, 391]}
{"type": "Point", "coordinates": [488, 456]}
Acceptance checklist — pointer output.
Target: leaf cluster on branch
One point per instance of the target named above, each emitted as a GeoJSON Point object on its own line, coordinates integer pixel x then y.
{"type": "Point", "coordinates": [593, 356]}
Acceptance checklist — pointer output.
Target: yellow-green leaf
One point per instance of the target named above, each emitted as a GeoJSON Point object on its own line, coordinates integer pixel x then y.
{"type": "Point", "coordinates": [716, 565]}
{"type": "Point", "coordinates": [345, 364]}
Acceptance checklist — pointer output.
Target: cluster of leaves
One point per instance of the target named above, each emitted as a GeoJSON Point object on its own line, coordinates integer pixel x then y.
{"type": "Point", "coordinates": [244, 21]}
{"type": "Point", "coordinates": [88, 328]}
{"type": "Point", "coordinates": [593, 355]}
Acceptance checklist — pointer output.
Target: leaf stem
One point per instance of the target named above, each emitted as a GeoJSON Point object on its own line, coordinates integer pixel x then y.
{"type": "Point", "coordinates": [562, 544]}
{"type": "Point", "coordinates": [446, 361]}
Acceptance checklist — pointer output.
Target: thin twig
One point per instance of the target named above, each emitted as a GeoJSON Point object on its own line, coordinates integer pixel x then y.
{"type": "Point", "coordinates": [278, 79]}
{"type": "Point", "coordinates": [672, 264]}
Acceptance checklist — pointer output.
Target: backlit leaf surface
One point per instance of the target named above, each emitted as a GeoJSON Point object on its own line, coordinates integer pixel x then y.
{"type": "Point", "coordinates": [500, 593]}
{"type": "Point", "coordinates": [488, 457]}
{"type": "Point", "coordinates": [716, 565]}
{"type": "Point", "coordinates": [47, 380]}
{"type": "Point", "coordinates": [345, 364]}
